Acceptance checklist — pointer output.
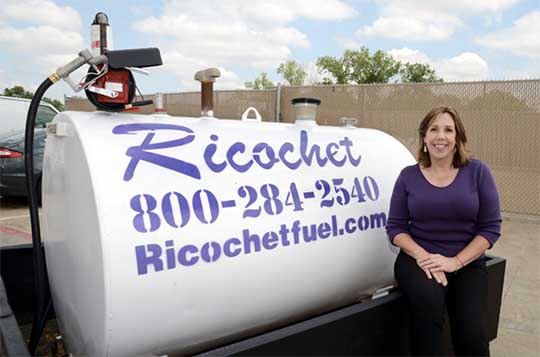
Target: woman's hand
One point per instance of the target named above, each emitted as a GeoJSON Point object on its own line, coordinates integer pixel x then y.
{"type": "Point", "coordinates": [420, 258]}
{"type": "Point", "coordinates": [439, 263]}
{"type": "Point", "coordinates": [440, 277]}
{"type": "Point", "coordinates": [407, 244]}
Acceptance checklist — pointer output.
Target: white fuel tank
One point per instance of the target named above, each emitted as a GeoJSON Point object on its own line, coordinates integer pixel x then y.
{"type": "Point", "coordinates": [167, 234]}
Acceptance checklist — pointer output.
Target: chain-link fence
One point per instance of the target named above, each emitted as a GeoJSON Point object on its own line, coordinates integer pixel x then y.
{"type": "Point", "coordinates": [502, 119]}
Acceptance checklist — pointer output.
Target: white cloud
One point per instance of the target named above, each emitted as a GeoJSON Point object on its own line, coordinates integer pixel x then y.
{"type": "Point", "coordinates": [348, 43]}
{"type": "Point", "coordinates": [38, 40]}
{"type": "Point", "coordinates": [408, 55]}
{"type": "Point", "coordinates": [410, 28]}
{"type": "Point", "coordinates": [139, 10]}
{"type": "Point", "coordinates": [39, 30]}
{"type": "Point", "coordinates": [313, 75]}
{"type": "Point", "coordinates": [185, 67]}
{"type": "Point", "coordinates": [264, 12]}
{"type": "Point", "coordinates": [229, 33]}
{"type": "Point", "coordinates": [521, 39]}
{"type": "Point", "coordinates": [36, 37]}
{"type": "Point", "coordinates": [227, 80]}
{"type": "Point", "coordinates": [527, 73]}
{"type": "Point", "coordinates": [321, 9]}
{"type": "Point", "coordinates": [6, 80]}
{"type": "Point", "coordinates": [196, 42]}
{"type": "Point", "coordinates": [428, 20]}
{"type": "Point", "coordinates": [41, 12]}
{"type": "Point", "coordinates": [466, 66]}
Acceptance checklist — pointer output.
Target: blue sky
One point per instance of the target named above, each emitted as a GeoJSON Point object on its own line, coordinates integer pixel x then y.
{"type": "Point", "coordinates": [462, 40]}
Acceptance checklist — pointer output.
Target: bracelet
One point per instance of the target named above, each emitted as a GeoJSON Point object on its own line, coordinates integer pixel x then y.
{"type": "Point", "coordinates": [460, 262]}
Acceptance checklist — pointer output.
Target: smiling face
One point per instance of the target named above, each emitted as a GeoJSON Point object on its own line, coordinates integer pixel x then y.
{"type": "Point", "coordinates": [440, 138]}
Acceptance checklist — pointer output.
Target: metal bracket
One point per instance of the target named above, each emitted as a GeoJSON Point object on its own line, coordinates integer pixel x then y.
{"type": "Point", "coordinates": [138, 70]}
{"type": "Point", "coordinates": [103, 91]}
{"type": "Point", "coordinates": [57, 128]}
{"type": "Point", "coordinates": [382, 292]}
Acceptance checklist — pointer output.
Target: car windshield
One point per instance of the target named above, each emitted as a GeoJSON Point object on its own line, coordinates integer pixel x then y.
{"type": "Point", "coordinates": [44, 115]}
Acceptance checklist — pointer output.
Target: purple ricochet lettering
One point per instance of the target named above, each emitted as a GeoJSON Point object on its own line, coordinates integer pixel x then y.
{"type": "Point", "coordinates": [238, 156]}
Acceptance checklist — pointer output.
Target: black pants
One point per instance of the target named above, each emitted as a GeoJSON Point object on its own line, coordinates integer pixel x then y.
{"type": "Point", "coordinates": [465, 298]}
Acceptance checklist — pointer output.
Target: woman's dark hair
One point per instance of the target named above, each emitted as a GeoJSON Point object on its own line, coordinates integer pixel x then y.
{"type": "Point", "coordinates": [461, 155]}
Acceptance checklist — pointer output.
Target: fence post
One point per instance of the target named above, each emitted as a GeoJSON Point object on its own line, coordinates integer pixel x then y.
{"type": "Point", "coordinates": [363, 115]}
{"type": "Point", "coordinates": [278, 102]}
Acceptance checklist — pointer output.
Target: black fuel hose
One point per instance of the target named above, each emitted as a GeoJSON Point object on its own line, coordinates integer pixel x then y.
{"type": "Point", "coordinates": [42, 296]}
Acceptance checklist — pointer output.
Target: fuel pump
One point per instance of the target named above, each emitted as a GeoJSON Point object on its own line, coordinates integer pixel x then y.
{"type": "Point", "coordinates": [110, 85]}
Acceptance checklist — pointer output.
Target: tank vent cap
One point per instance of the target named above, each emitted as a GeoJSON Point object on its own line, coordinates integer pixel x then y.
{"type": "Point", "coordinates": [305, 108]}
{"type": "Point", "coordinates": [159, 104]}
{"type": "Point", "coordinates": [348, 122]}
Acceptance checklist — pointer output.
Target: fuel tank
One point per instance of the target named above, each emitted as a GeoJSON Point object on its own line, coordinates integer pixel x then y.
{"type": "Point", "coordinates": [175, 235]}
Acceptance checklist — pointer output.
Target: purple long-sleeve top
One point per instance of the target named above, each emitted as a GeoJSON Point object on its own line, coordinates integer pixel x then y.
{"type": "Point", "coordinates": [443, 220]}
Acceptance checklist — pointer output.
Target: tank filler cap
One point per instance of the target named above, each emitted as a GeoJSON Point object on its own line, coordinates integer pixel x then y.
{"type": "Point", "coordinates": [207, 75]}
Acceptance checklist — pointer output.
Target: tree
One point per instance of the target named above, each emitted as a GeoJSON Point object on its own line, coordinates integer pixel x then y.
{"type": "Point", "coordinates": [292, 72]}
{"type": "Point", "coordinates": [338, 68]}
{"type": "Point", "coordinates": [20, 92]}
{"type": "Point", "coordinates": [261, 82]}
{"type": "Point", "coordinates": [359, 67]}
{"type": "Point", "coordinates": [55, 103]}
{"type": "Point", "coordinates": [418, 73]}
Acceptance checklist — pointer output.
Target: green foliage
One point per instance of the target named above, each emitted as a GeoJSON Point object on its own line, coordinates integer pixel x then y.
{"type": "Point", "coordinates": [338, 68]}
{"type": "Point", "coordinates": [20, 92]}
{"type": "Point", "coordinates": [261, 82]}
{"type": "Point", "coordinates": [359, 67]}
{"type": "Point", "coordinates": [292, 72]}
{"type": "Point", "coordinates": [418, 73]}
{"type": "Point", "coordinates": [55, 103]}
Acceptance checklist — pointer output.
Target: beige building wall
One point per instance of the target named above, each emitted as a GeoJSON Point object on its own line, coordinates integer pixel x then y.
{"type": "Point", "coordinates": [502, 119]}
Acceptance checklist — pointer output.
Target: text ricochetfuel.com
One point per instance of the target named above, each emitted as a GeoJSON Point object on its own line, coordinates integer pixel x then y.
{"type": "Point", "coordinates": [158, 257]}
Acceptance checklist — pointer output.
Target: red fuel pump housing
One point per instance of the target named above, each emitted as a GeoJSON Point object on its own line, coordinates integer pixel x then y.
{"type": "Point", "coordinates": [118, 81]}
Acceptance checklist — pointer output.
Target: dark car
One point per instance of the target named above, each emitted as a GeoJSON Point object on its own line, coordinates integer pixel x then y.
{"type": "Point", "coordinates": [12, 176]}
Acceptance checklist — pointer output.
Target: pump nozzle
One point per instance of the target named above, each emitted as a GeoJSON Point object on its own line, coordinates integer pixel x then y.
{"type": "Point", "coordinates": [84, 57]}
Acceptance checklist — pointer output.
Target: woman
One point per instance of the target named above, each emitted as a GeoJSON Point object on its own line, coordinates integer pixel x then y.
{"type": "Point", "coordinates": [444, 214]}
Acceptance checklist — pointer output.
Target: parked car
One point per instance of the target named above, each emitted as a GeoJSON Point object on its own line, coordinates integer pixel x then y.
{"type": "Point", "coordinates": [12, 115]}
{"type": "Point", "coordinates": [12, 173]}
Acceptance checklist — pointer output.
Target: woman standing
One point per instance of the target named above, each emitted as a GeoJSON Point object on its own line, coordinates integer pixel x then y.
{"type": "Point", "coordinates": [444, 214]}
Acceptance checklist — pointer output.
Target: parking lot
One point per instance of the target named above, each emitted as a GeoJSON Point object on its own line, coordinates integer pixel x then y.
{"type": "Point", "coordinates": [14, 222]}
{"type": "Point", "coordinates": [519, 325]}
